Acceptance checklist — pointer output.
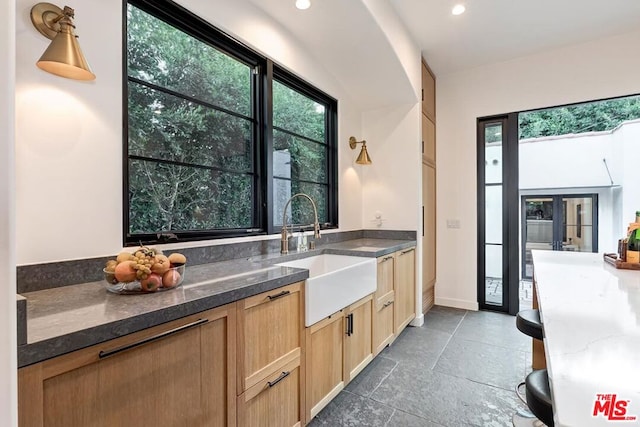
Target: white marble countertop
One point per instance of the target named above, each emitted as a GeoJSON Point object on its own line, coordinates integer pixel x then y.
{"type": "Point", "coordinates": [591, 316]}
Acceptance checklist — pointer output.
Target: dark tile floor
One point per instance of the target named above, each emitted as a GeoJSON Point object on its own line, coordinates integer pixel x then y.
{"type": "Point", "coordinates": [459, 369]}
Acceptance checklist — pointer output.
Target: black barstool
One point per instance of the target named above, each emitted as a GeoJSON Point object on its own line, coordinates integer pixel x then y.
{"type": "Point", "coordinates": [528, 322]}
{"type": "Point", "coordinates": [538, 393]}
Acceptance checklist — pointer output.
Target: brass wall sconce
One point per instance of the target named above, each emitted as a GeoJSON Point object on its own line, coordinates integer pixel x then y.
{"type": "Point", "coordinates": [63, 57]}
{"type": "Point", "coordinates": [363, 157]}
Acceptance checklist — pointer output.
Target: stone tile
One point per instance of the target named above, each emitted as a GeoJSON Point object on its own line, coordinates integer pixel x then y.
{"type": "Point", "coordinates": [483, 363]}
{"type": "Point", "coordinates": [445, 399]}
{"type": "Point", "coordinates": [493, 328]}
{"type": "Point", "coordinates": [419, 347]}
{"type": "Point", "coordinates": [444, 319]}
{"type": "Point", "coordinates": [403, 419]}
{"type": "Point", "coordinates": [371, 376]}
{"type": "Point", "coordinates": [348, 410]}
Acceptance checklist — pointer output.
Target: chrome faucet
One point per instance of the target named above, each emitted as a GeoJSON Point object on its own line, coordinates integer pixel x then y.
{"type": "Point", "coordinates": [284, 240]}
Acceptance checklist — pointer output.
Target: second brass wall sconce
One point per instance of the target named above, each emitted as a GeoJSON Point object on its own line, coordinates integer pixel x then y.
{"type": "Point", "coordinates": [63, 57]}
{"type": "Point", "coordinates": [363, 157]}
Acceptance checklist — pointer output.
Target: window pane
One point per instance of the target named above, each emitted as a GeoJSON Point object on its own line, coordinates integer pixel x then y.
{"type": "Point", "coordinates": [164, 197]}
{"type": "Point", "coordinates": [300, 211]}
{"type": "Point", "coordinates": [166, 127]}
{"type": "Point", "coordinates": [298, 113]}
{"type": "Point", "coordinates": [493, 274]}
{"type": "Point", "coordinates": [165, 56]}
{"type": "Point", "coordinates": [493, 214]}
{"type": "Point", "coordinates": [298, 158]}
{"type": "Point", "coordinates": [493, 153]}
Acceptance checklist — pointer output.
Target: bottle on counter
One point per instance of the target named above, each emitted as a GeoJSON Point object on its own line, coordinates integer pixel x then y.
{"type": "Point", "coordinates": [633, 246]}
{"type": "Point", "coordinates": [637, 217]}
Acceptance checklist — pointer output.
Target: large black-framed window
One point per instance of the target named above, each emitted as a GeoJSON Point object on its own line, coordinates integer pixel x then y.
{"type": "Point", "coordinates": [217, 137]}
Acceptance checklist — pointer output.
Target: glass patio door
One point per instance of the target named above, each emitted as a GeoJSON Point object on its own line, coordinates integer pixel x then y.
{"type": "Point", "coordinates": [558, 223]}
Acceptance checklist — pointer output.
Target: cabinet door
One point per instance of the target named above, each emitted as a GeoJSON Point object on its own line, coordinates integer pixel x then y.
{"type": "Point", "coordinates": [429, 236]}
{"type": "Point", "coordinates": [383, 330]}
{"type": "Point", "coordinates": [405, 289]}
{"type": "Point", "coordinates": [385, 275]}
{"type": "Point", "coordinates": [272, 402]}
{"type": "Point", "coordinates": [428, 140]}
{"type": "Point", "coordinates": [170, 375]}
{"type": "Point", "coordinates": [270, 329]}
{"type": "Point", "coordinates": [324, 367]}
{"type": "Point", "coordinates": [428, 93]}
{"type": "Point", "coordinates": [357, 343]}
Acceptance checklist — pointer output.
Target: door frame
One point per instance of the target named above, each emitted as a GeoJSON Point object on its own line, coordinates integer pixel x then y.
{"type": "Point", "coordinates": [510, 213]}
{"type": "Point", "coordinates": [557, 225]}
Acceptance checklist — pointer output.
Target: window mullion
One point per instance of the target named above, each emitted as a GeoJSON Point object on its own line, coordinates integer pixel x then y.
{"type": "Point", "coordinates": [267, 180]}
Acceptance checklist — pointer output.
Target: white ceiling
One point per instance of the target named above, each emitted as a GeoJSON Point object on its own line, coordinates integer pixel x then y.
{"type": "Point", "coordinates": [493, 31]}
{"type": "Point", "coordinates": [347, 40]}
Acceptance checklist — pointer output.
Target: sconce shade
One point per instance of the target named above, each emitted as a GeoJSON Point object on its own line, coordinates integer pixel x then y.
{"type": "Point", "coordinates": [63, 57]}
{"type": "Point", "coordinates": [363, 157]}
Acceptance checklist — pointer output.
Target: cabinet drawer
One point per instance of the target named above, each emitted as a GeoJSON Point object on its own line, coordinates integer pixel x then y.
{"type": "Point", "coordinates": [386, 267]}
{"type": "Point", "coordinates": [170, 375]}
{"type": "Point", "coordinates": [273, 402]}
{"type": "Point", "coordinates": [270, 333]}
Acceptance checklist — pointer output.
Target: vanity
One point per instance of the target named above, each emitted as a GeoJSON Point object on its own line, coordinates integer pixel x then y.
{"type": "Point", "coordinates": [230, 347]}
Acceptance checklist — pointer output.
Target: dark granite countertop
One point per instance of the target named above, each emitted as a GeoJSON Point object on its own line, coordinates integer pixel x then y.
{"type": "Point", "coordinates": [64, 319]}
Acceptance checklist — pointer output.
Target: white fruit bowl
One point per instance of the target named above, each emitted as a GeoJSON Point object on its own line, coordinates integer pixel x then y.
{"type": "Point", "coordinates": [172, 279]}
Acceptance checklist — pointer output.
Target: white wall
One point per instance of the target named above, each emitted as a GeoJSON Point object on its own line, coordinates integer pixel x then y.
{"type": "Point", "coordinates": [69, 133]}
{"type": "Point", "coordinates": [8, 343]}
{"type": "Point", "coordinates": [595, 70]}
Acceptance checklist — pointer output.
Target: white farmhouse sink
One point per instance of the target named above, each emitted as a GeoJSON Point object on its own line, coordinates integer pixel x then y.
{"type": "Point", "coordinates": [335, 281]}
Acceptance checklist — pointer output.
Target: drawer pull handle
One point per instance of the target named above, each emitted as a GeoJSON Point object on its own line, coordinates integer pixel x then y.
{"type": "Point", "coordinates": [407, 251]}
{"type": "Point", "coordinates": [116, 350]}
{"type": "Point", "coordinates": [280, 378]}
{"type": "Point", "coordinates": [280, 295]}
{"type": "Point", "coordinates": [387, 304]}
{"type": "Point", "coordinates": [387, 258]}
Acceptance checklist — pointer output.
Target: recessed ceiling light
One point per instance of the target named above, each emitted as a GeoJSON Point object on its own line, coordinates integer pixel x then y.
{"type": "Point", "coordinates": [458, 9]}
{"type": "Point", "coordinates": [303, 4]}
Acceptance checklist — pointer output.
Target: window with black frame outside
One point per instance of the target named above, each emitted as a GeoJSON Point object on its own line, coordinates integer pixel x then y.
{"type": "Point", "coordinates": [198, 142]}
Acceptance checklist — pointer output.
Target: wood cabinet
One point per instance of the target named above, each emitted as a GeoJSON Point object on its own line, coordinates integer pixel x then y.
{"type": "Point", "coordinates": [181, 373]}
{"type": "Point", "coordinates": [324, 362]}
{"type": "Point", "coordinates": [429, 237]}
{"type": "Point", "coordinates": [428, 187]}
{"type": "Point", "coordinates": [428, 141]}
{"type": "Point", "coordinates": [405, 289]}
{"type": "Point", "coordinates": [357, 343]}
{"type": "Point", "coordinates": [428, 93]}
{"type": "Point", "coordinates": [383, 330]}
{"type": "Point", "coordinates": [270, 343]}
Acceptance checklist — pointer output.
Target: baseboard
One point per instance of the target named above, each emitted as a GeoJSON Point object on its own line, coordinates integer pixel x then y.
{"type": "Point", "coordinates": [457, 303]}
{"type": "Point", "coordinates": [418, 321]}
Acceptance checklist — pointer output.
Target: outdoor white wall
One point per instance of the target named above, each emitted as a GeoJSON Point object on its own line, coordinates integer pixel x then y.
{"type": "Point", "coordinates": [8, 343]}
{"type": "Point", "coordinates": [629, 138]}
{"type": "Point", "coordinates": [565, 162]}
{"type": "Point", "coordinates": [594, 70]}
{"type": "Point", "coordinates": [69, 133]}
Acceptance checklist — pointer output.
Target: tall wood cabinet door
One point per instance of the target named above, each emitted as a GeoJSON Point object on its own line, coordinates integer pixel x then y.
{"type": "Point", "coordinates": [270, 333]}
{"type": "Point", "coordinates": [428, 93]}
{"type": "Point", "coordinates": [357, 344]}
{"type": "Point", "coordinates": [428, 140]}
{"type": "Point", "coordinates": [383, 330]}
{"type": "Point", "coordinates": [405, 288]}
{"type": "Point", "coordinates": [273, 402]}
{"type": "Point", "coordinates": [170, 375]}
{"type": "Point", "coordinates": [324, 367]}
{"type": "Point", "coordinates": [429, 237]}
